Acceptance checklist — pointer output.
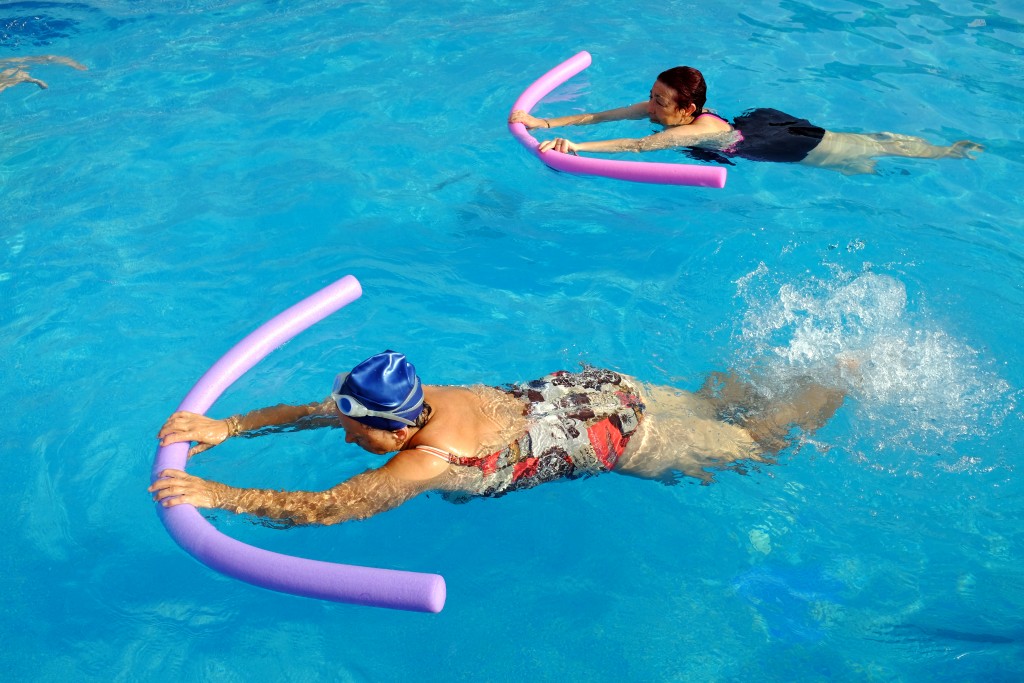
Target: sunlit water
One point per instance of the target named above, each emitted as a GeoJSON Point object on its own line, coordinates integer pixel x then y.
{"type": "Point", "coordinates": [220, 161]}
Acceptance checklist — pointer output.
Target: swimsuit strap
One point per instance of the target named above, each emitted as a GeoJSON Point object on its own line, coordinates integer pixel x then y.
{"type": "Point", "coordinates": [436, 452]}
{"type": "Point", "coordinates": [708, 113]}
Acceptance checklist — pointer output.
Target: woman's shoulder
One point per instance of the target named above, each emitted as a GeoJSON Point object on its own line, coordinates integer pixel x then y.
{"type": "Point", "coordinates": [709, 120]}
{"type": "Point", "coordinates": [417, 464]}
{"type": "Point", "coordinates": [465, 417]}
{"type": "Point", "coordinates": [445, 398]}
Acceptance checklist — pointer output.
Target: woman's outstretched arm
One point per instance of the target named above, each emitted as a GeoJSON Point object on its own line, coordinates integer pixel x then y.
{"type": "Point", "coordinates": [668, 139]}
{"type": "Point", "coordinates": [632, 112]}
{"type": "Point", "coordinates": [704, 131]}
{"type": "Point", "coordinates": [208, 432]}
{"type": "Point", "coordinates": [362, 496]}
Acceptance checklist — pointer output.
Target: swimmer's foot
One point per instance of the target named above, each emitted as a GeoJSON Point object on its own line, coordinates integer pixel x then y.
{"type": "Point", "coordinates": [804, 411]}
{"type": "Point", "coordinates": [964, 149]}
{"type": "Point", "coordinates": [850, 368]}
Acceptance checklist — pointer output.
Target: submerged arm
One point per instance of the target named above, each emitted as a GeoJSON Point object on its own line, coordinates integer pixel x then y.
{"type": "Point", "coordinates": [667, 139]}
{"type": "Point", "coordinates": [208, 432]}
{"type": "Point", "coordinates": [362, 496]}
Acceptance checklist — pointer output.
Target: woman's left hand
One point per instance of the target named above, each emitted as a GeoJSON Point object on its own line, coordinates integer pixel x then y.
{"type": "Point", "coordinates": [175, 487]}
{"type": "Point", "coordinates": [528, 120]}
{"type": "Point", "coordinates": [186, 426]}
{"type": "Point", "coordinates": [559, 145]}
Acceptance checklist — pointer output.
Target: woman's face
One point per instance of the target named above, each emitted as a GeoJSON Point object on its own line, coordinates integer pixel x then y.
{"type": "Point", "coordinates": [661, 105]}
{"type": "Point", "coordinates": [379, 441]}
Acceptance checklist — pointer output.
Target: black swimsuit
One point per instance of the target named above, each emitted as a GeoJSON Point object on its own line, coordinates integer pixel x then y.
{"type": "Point", "coordinates": [765, 135]}
{"type": "Point", "coordinates": [772, 135]}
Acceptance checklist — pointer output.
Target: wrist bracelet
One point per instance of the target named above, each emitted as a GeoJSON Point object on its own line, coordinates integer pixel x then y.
{"type": "Point", "coordinates": [547, 124]}
{"type": "Point", "coordinates": [234, 426]}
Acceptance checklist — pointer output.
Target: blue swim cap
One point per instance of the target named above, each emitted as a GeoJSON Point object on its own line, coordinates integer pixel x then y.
{"type": "Point", "coordinates": [382, 392]}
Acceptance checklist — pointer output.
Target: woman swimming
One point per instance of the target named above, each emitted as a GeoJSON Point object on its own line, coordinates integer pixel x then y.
{"type": "Point", "coordinates": [483, 441]}
{"type": "Point", "coordinates": [676, 101]}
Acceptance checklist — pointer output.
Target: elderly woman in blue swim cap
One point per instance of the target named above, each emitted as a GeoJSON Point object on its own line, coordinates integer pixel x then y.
{"type": "Point", "coordinates": [481, 441]}
{"type": "Point", "coordinates": [676, 102]}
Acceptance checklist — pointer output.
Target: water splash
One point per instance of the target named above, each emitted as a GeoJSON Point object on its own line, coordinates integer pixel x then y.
{"type": "Point", "coordinates": [916, 385]}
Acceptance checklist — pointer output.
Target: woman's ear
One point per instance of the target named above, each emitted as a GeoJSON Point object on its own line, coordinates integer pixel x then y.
{"type": "Point", "coordinates": [689, 109]}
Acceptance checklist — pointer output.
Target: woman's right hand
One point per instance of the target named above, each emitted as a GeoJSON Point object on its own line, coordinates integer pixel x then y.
{"type": "Point", "coordinates": [559, 145]}
{"type": "Point", "coordinates": [186, 426]}
{"type": "Point", "coordinates": [531, 122]}
{"type": "Point", "coordinates": [175, 487]}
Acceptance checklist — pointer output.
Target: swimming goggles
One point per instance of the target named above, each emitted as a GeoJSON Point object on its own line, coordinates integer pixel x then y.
{"type": "Point", "coordinates": [351, 406]}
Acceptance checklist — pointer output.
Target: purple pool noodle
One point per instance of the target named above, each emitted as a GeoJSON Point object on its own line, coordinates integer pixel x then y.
{"type": "Point", "coordinates": [635, 171]}
{"type": "Point", "coordinates": [296, 575]}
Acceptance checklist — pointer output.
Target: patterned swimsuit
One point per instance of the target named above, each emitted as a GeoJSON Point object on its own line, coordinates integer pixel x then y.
{"type": "Point", "coordinates": [578, 425]}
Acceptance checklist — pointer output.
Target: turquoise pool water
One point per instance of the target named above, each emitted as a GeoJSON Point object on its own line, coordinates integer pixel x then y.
{"type": "Point", "coordinates": [221, 160]}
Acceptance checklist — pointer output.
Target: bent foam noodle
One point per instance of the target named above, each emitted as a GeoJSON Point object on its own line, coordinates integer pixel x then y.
{"type": "Point", "coordinates": [634, 171]}
{"type": "Point", "coordinates": [288, 574]}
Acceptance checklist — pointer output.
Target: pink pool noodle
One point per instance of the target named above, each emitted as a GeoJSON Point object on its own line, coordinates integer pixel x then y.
{"type": "Point", "coordinates": [309, 578]}
{"type": "Point", "coordinates": [635, 171]}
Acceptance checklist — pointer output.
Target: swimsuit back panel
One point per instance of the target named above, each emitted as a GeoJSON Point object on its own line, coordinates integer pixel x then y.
{"type": "Point", "coordinates": [579, 425]}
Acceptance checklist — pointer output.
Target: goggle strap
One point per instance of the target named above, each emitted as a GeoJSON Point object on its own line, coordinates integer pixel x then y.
{"type": "Point", "coordinates": [366, 412]}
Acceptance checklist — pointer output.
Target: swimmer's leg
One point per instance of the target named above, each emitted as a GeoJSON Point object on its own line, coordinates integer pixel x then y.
{"type": "Point", "coordinates": [729, 394]}
{"type": "Point", "coordinates": [770, 421]}
{"type": "Point", "coordinates": [684, 434]}
{"type": "Point", "coordinates": [663, 469]}
{"type": "Point", "coordinates": [12, 77]}
{"type": "Point", "coordinates": [806, 409]}
{"type": "Point", "coordinates": [12, 70]}
{"type": "Point", "coordinates": [43, 59]}
{"type": "Point", "coordinates": [895, 145]}
{"type": "Point", "coordinates": [853, 153]}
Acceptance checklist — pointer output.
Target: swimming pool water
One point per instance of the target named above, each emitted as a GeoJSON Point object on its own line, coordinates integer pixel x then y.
{"type": "Point", "coordinates": [221, 160]}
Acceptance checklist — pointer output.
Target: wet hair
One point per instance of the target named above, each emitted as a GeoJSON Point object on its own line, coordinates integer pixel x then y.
{"type": "Point", "coordinates": [689, 86]}
{"type": "Point", "coordinates": [424, 416]}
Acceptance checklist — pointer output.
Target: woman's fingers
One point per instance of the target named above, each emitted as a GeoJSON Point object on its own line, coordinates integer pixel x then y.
{"type": "Point", "coordinates": [169, 477]}
{"type": "Point", "coordinates": [528, 120]}
{"type": "Point", "coordinates": [174, 424]}
{"type": "Point", "coordinates": [559, 145]}
{"type": "Point", "coordinates": [185, 426]}
{"type": "Point", "coordinates": [175, 487]}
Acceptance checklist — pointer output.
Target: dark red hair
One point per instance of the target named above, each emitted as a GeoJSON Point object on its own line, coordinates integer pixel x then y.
{"type": "Point", "coordinates": [689, 86]}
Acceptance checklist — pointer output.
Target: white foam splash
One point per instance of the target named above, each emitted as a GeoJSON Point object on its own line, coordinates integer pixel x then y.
{"type": "Point", "coordinates": [915, 384]}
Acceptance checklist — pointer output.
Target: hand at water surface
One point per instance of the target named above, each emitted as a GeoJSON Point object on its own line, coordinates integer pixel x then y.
{"type": "Point", "coordinates": [559, 145]}
{"type": "Point", "coordinates": [528, 120]}
{"type": "Point", "coordinates": [185, 426]}
{"type": "Point", "coordinates": [175, 487]}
